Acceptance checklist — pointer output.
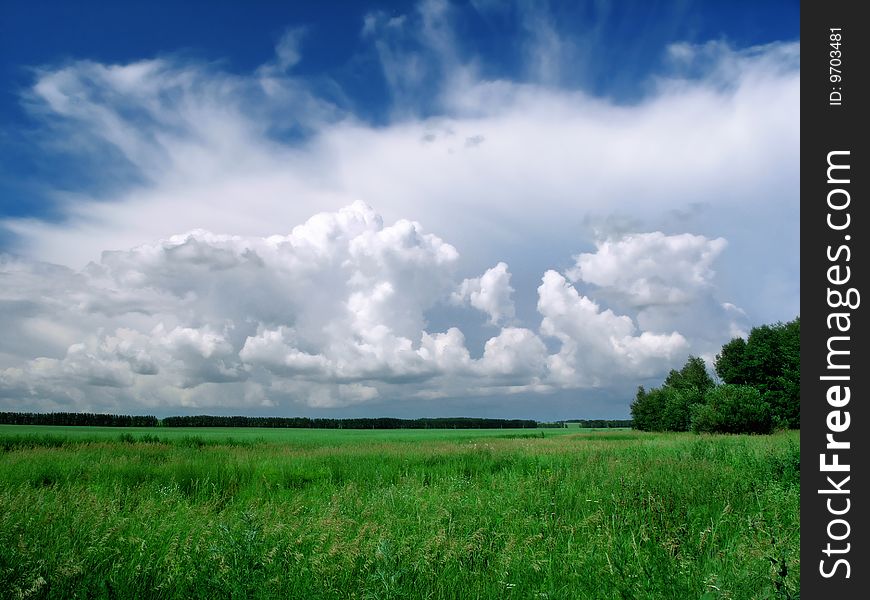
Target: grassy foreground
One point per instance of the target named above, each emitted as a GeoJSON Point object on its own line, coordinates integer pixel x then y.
{"type": "Point", "coordinates": [397, 514]}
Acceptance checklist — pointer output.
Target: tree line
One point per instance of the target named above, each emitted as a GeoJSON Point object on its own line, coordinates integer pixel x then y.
{"type": "Point", "coordinates": [68, 418]}
{"type": "Point", "coordinates": [106, 420]}
{"type": "Point", "coordinates": [356, 423]}
{"type": "Point", "coordinates": [759, 388]}
{"type": "Point", "coordinates": [601, 423]}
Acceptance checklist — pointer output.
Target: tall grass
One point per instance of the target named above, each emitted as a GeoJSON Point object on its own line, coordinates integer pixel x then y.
{"type": "Point", "coordinates": [421, 514]}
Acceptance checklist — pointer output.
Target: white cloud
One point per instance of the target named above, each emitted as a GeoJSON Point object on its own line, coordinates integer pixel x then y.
{"type": "Point", "coordinates": [515, 353]}
{"type": "Point", "coordinates": [650, 269]}
{"type": "Point", "coordinates": [668, 280]}
{"type": "Point", "coordinates": [446, 351]}
{"type": "Point", "coordinates": [598, 345]}
{"type": "Point", "coordinates": [205, 136]}
{"type": "Point", "coordinates": [490, 293]}
{"type": "Point", "coordinates": [340, 298]}
{"type": "Point", "coordinates": [331, 314]}
{"type": "Point", "coordinates": [287, 52]}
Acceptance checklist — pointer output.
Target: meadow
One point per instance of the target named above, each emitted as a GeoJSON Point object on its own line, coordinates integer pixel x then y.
{"type": "Point", "coordinates": [260, 513]}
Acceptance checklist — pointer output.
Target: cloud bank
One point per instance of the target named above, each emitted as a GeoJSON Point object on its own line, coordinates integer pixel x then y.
{"type": "Point", "coordinates": [331, 314]}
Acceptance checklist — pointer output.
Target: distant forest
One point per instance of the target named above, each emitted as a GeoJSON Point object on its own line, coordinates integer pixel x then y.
{"type": "Point", "coordinates": [105, 420]}
{"type": "Point", "coordinates": [601, 423]}
{"type": "Point", "coordinates": [67, 418]}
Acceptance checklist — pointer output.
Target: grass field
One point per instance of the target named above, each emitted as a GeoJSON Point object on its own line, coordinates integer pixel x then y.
{"type": "Point", "coordinates": [257, 513]}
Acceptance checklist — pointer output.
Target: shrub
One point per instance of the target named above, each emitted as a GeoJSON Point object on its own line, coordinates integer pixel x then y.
{"type": "Point", "coordinates": [669, 408]}
{"type": "Point", "coordinates": [678, 405]}
{"type": "Point", "coordinates": [732, 408]}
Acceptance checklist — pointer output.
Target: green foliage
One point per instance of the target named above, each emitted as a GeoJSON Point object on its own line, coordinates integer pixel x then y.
{"type": "Point", "coordinates": [731, 362]}
{"type": "Point", "coordinates": [77, 419]}
{"type": "Point", "coordinates": [761, 388]}
{"type": "Point", "coordinates": [647, 410]}
{"type": "Point", "coordinates": [598, 423]}
{"type": "Point", "coordinates": [678, 403]}
{"type": "Point", "coordinates": [669, 408]}
{"type": "Point", "coordinates": [769, 361]}
{"type": "Point", "coordinates": [732, 408]}
{"type": "Point", "coordinates": [693, 376]}
{"type": "Point", "coordinates": [353, 423]}
{"type": "Point", "coordinates": [342, 514]}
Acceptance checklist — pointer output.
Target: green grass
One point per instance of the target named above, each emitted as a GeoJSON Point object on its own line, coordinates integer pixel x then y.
{"type": "Point", "coordinates": [242, 513]}
{"type": "Point", "coordinates": [254, 435]}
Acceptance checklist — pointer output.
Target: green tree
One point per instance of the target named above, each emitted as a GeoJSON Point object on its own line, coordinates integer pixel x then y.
{"type": "Point", "coordinates": [693, 376]}
{"type": "Point", "coordinates": [730, 363]}
{"type": "Point", "coordinates": [677, 407]}
{"type": "Point", "coordinates": [681, 390]}
{"type": "Point", "coordinates": [769, 361]}
{"type": "Point", "coordinates": [732, 408]}
{"type": "Point", "coordinates": [647, 410]}
{"type": "Point", "coordinates": [669, 408]}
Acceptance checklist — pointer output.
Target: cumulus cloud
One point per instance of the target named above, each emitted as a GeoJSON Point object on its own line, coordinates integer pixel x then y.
{"type": "Point", "coordinates": [669, 281]}
{"type": "Point", "coordinates": [490, 293]}
{"type": "Point", "coordinates": [515, 353]}
{"type": "Point", "coordinates": [650, 269]}
{"type": "Point", "coordinates": [339, 299]}
{"type": "Point", "coordinates": [598, 344]}
{"type": "Point", "coordinates": [331, 314]}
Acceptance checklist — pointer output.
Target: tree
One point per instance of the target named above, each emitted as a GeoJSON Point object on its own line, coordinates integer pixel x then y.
{"type": "Point", "coordinates": [760, 391]}
{"type": "Point", "coordinates": [693, 376]}
{"type": "Point", "coordinates": [669, 408]}
{"type": "Point", "coordinates": [730, 363]}
{"type": "Point", "coordinates": [647, 410]}
{"type": "Point", "coordinates": [677, 409]}
{"type": "Point", "coordinates": [732, 408]}
{"type": "Point", "coordinates": [769, 361]}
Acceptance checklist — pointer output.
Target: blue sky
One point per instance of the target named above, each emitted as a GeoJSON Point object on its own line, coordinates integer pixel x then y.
{"type": "Point", "coordinates": [620, 45]}
{"type": "Point", "coordinates": [589, 185]}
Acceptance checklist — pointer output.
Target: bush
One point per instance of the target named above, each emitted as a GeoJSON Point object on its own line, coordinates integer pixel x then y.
{"type": "Point", "coordinates": [678, 405]}
{"type": "Point", "coordinates": [732, 408]}
{"type": "Point", "coordinates": [669, 408]}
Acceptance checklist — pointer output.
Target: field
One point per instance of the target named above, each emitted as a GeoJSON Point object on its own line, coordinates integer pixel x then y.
{"type": "Point", "coordinates": [256, 513]}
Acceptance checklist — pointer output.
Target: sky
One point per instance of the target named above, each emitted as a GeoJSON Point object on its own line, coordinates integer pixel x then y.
{"type": "Point", "coordinates": [518, 210]}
